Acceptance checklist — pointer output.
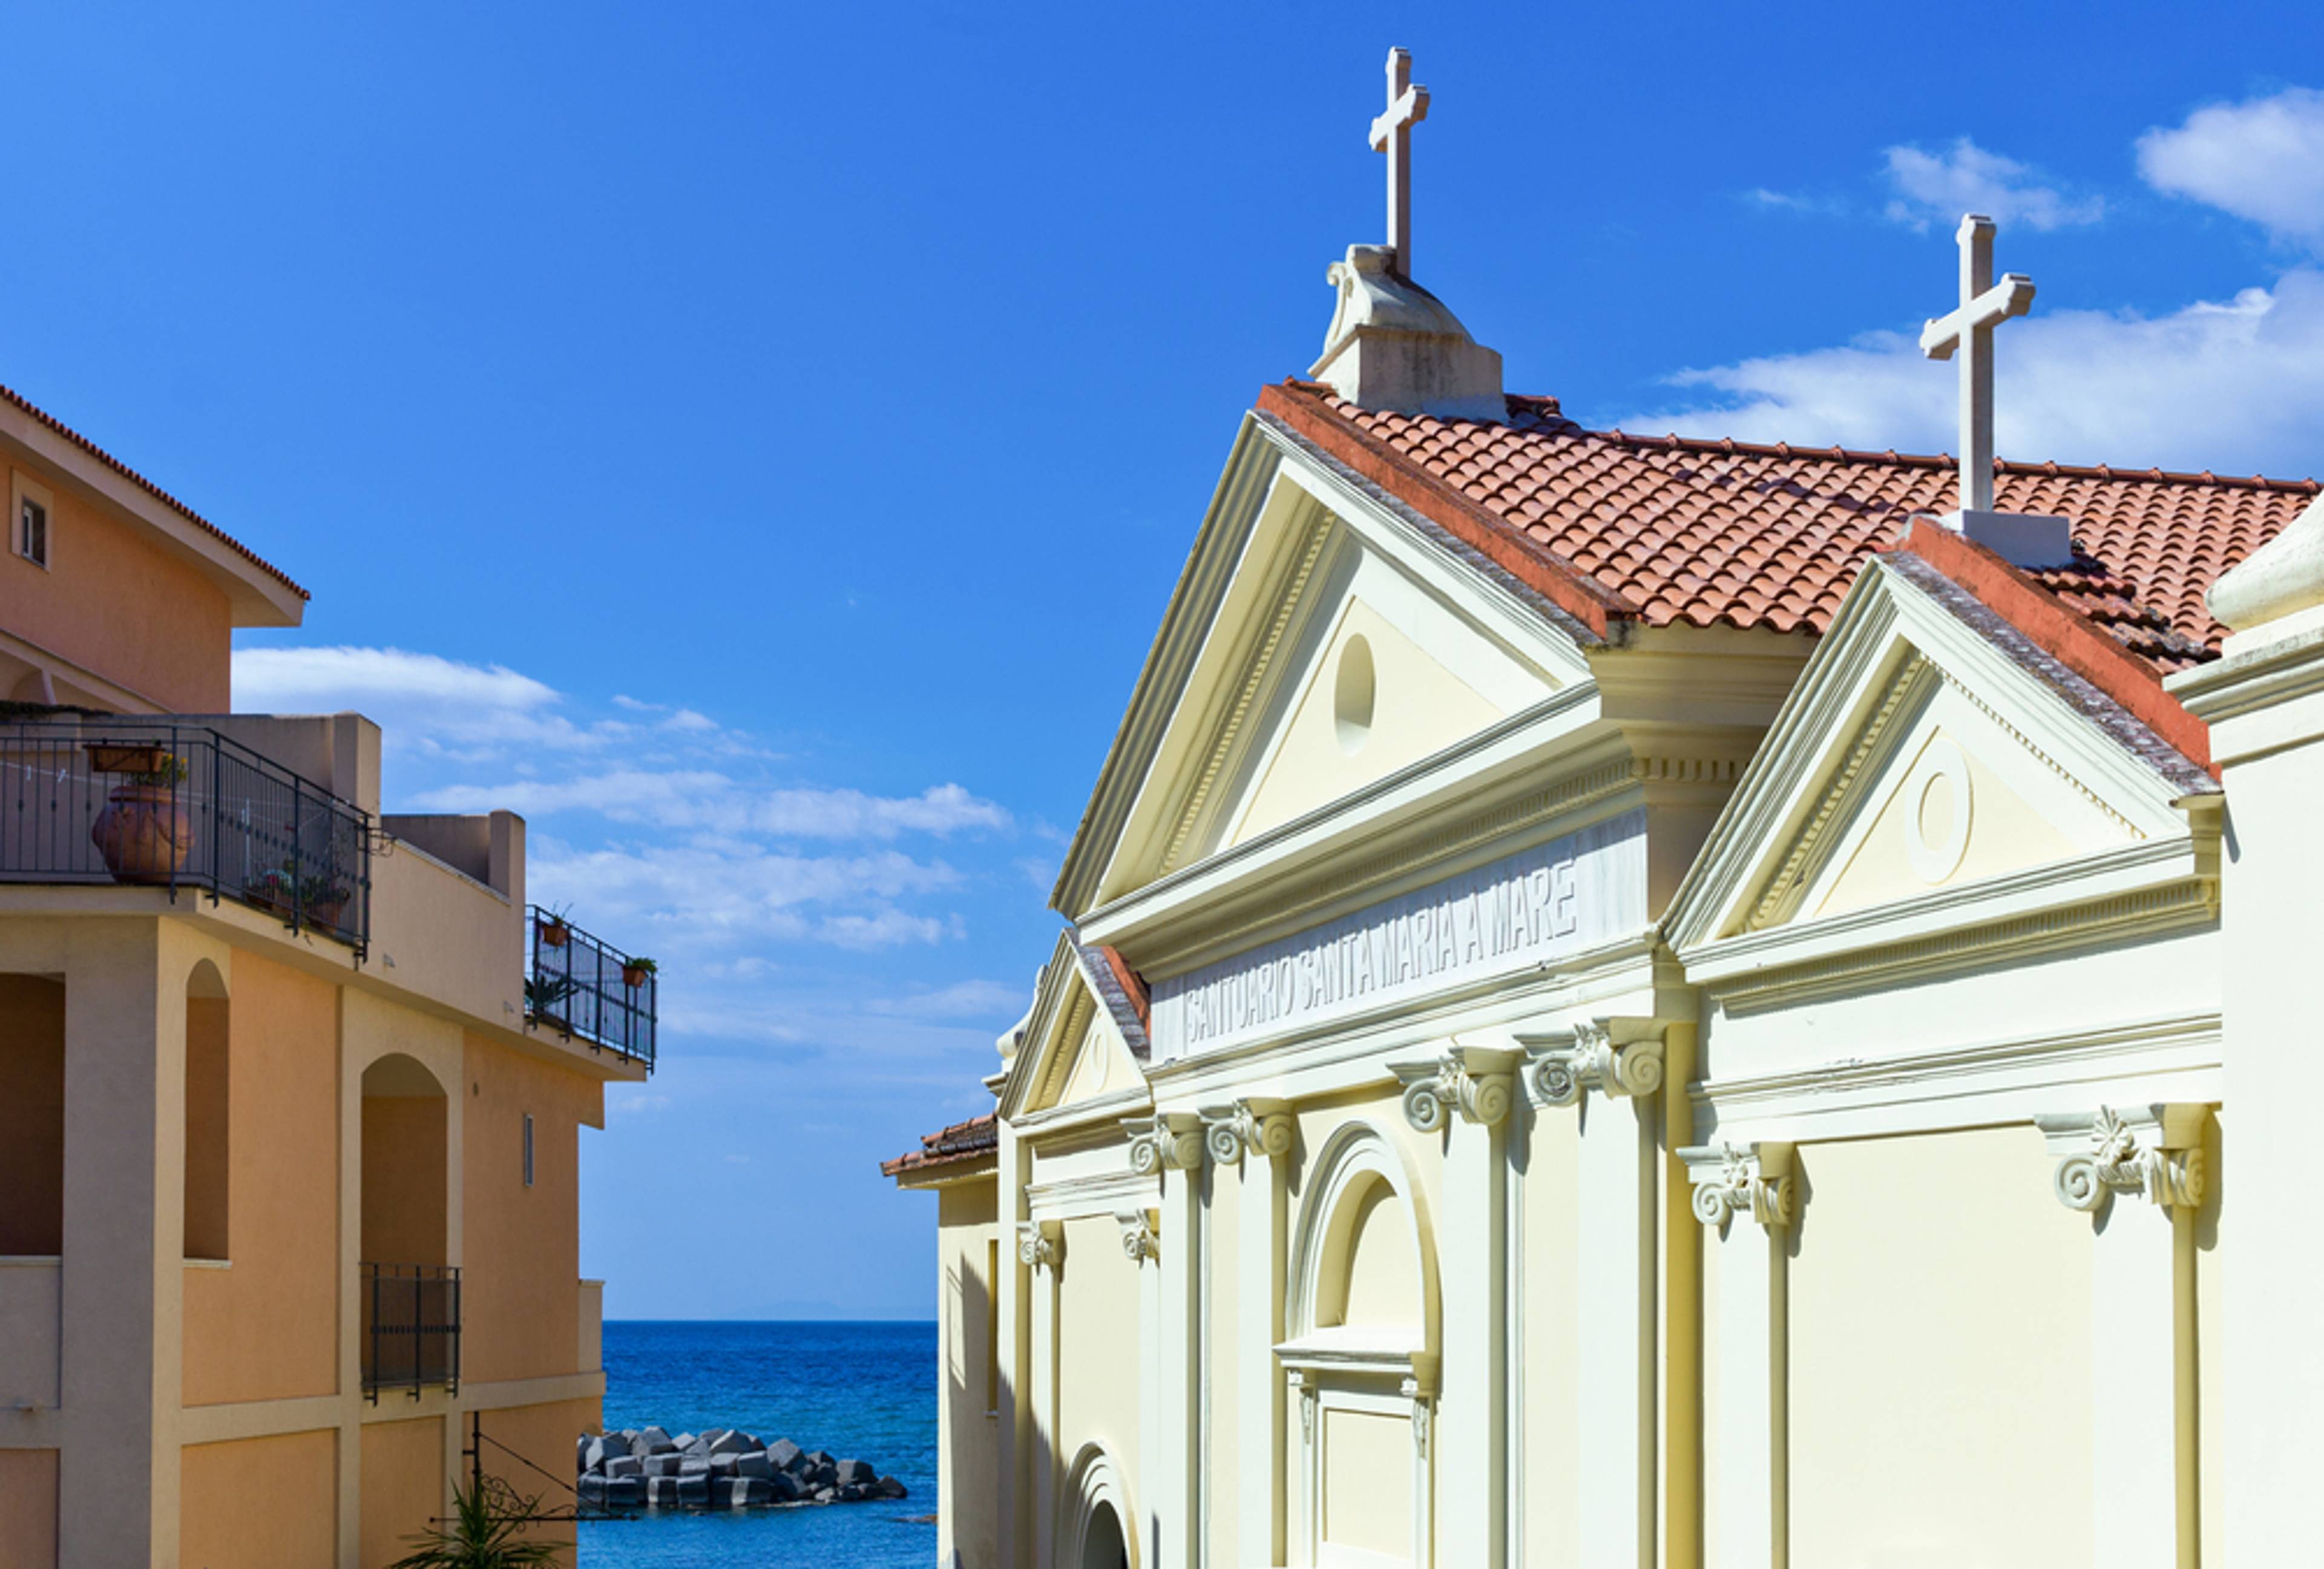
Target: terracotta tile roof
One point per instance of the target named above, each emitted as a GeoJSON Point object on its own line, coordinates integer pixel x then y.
{"type": "Point", "coordinates": [42, 415]}
{"type": "Point", "coordinates": [1664, 530]}
{"type": "Point", "coordinates": [957, 1145]}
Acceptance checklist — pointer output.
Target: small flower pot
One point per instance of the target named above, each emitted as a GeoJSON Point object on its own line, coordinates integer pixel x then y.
{"type": "Point", "coordinates": [326, 911]}
{"type": "Point", "coordinates": [272, 891]}
{"type": "Point", "coordinates": [634, 976]}
{"type": "Point", "coordinates": [126, 757]}
{"type": "Point", "coordinates": [144, 833]}
{"type": "Point", "coordinates": [555, 933]}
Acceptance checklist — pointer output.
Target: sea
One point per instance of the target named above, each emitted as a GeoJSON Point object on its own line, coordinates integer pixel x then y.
{"type": "Point", "coordinates": [863, 1391]}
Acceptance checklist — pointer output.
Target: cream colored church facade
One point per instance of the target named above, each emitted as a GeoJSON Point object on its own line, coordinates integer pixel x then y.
{"type": "Point", "coordinates": [1632, 1003]}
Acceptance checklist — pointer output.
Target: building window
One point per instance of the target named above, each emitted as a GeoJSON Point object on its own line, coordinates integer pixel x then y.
{"type": "Point", "coordinates": [528, 1150]}
{"type": "Point", "coordinates": [28, 523]}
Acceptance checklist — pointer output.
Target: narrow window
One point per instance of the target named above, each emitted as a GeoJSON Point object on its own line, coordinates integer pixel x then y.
{"type": "Point", "coordinates": [991, 1326]}
{"type": "Point", "coordinates": [528, 1150]}
{"type": "Point", "coordinates": [33, 532]}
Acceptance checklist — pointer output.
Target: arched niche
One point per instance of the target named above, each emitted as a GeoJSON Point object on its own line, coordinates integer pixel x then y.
{"type": "Point", "coordinates": [1361, 1355]}
{"type": "Point", "coordinates": [405, 1129]}
{"type": "Point", "coordinates": [1098, 1529]}
{"type": "Point", "coordinates": [209, 1113]}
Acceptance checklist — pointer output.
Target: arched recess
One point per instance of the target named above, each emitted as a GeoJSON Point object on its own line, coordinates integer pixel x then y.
{"type": "Point", "coordinates": [1098, 1528]}
{"type": "Point", "coordinates": [210, 1104]}
{"type": "Point", "coordinates": [1362, 1355]}
{"type": "Point", "coordinates": [410, 1299]}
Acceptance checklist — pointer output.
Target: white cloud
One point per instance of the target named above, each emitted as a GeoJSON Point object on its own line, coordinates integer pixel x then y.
{"type": "Point", "coordinates": [296, 680]}
{"type": "Point", "coordinates": [1791, 201]}
{"type": "Point", "coordinates": [704, 799]}
{"type": "Point", "coordinates": [2236, 386]}
{"type": "Point", "coordinates": [2262, 159]}
{"type": "Point", "coordinates": [994, 1001]}
{"type": "Point", "coordinates": [1964, 178]}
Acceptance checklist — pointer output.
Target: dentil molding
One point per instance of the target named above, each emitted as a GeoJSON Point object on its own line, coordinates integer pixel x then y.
{"type": "Point", "coordinates": [2155, 1151]}
{"type": "Point", "coordinates": [1040, 1244]}
{"type": "Point", "coordinates": [1170, 1142]}
{"type": "Point", "coordinates": [1473, 1081]}
{"type": "Point", "coordinates": [1139, 1242]}
{"type": "Point", "coordinates": [1259, 1126]}
{"type": "Point", "coordinates": [1594, 1061]}
{"type": "Point", "coordinates": [1751, 1179]}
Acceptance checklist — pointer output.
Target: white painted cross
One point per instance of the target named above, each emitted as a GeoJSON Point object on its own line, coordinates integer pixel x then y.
{"type": "Point", "coordinates": [1984, 306]}
{"type": "Point", "coordinates": [1407, 106]}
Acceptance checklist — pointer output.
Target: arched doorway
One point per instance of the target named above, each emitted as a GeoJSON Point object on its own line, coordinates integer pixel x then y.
{"type": "Point", "coordinates": [409, 1293]}
{"type": "Point", "coordinates": [1103, 1547]}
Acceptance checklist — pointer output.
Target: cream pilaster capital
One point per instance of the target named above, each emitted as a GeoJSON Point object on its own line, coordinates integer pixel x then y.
{"type": "Point", "coordinates": [1305, 1392]}
{"type": "Point", "coordinates": [2153, 1150]}
{"type": "Point", "coordinates": [1749, 1179]}
{"type": "Point", "coordinates": [1615, 1056]}
{"type": "Point", "coordinates": [1262, 1127]}
{"type": "Point", "coordinates": [1170, 1142]}
{"type": "Point", "coordinates": [1139, 1239]}
{"type": "Point", "coordinates": [1475, 1082]}
{"type": "Point", "coordinates": [1040, 1244]}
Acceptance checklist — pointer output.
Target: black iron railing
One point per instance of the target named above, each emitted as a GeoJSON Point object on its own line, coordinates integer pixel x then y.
{"type": "Point", "coordinates": [181, 806]}
{"type": "Point", "coordinates": [410, 1328]}
{"type": "Point", "coordinates": [579, 985]}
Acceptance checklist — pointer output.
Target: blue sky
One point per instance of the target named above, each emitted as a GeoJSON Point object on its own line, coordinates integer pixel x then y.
{"type": "Point", "coordinates": [757, 442]}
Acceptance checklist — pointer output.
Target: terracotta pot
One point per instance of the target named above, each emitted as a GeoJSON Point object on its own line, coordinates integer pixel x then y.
{"type": "Point", "coordinates": [144, 833]}
{"type": "Point", "coordinates": [326, 911]}
{"type": "Point", "coordinates": [126, 757]}
{"type": "Point", "coordinates": [634, 976]}
{"type": "Point", "coordinates": [554, 933]}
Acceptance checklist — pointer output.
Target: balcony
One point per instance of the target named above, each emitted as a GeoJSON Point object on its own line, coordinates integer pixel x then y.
{"type": "Point", "coordinates": [583, 987]}
{"type": "Point", "coordinates": [162, 804]}
{"type": "Point", "coordinates": [410, 1328]}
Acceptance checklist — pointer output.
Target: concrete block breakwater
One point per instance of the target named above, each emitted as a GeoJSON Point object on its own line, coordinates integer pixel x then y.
{"type": "Point", "coordinates": [721, 1469]}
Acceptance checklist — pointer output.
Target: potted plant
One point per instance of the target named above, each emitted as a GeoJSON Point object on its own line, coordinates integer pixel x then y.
{"type": "Point", "coordinates": [554, 929]}
{"type": "Point", "coordinates": [634, 971]}
{"type": "Point", "coordinates": [125, 756]}
{"type": "Point", "coordinates": [544, 997]}
{"type": "Point", "coordinates": [488, 1530]}
{"type": "Point", "coordinates": [146, 831]}
{"type": "Point", "coordinates": [324, 896]}
{"type": "Point", "coordinates": [275, 889]}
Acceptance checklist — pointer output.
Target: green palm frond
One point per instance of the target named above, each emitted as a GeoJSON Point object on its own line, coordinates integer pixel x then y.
{"type": "Point", "coordinates": [485, 1532]}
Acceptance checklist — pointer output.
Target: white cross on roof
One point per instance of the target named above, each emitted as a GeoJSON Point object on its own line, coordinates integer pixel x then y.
{"type": "Point", "coordinates": [1407, 106]}
{"type": "Point", "coordinates": [1984, 306]}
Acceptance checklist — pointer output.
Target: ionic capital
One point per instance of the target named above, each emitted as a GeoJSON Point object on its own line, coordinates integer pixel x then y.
{"type": "Point", "coordinates": [1594, 1060]}
{"type": "Point", "coordinates": [1262, 1127]}
{"type": "Point", "coordinates": [1170, 1142]}
{"type": "Point", "coordinates": [1040, 1244]}
{"type": "Point", "coordinates": [1475, 1082]}
{"type": "Point", "coordinates": [1139, 1240]}
{"type": "Point", "coordinates": [1750, 1179]}
{"type": "Point", "coordinates": [2154, 1151]}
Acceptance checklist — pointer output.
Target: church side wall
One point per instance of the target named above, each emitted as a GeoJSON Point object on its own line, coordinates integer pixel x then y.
{"type": "Point", "coordinates": [968, 1496]}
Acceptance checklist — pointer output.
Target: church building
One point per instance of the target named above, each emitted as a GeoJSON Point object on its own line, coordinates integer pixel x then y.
{"type": "Point", "coordinates": [1650, 1001]}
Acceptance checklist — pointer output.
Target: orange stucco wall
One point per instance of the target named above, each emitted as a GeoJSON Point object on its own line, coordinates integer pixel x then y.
{"type": "Point", "coordinates": [543, 1434]}
{"type": "Point", "coordinates": [28, 1509]}
{"type": "Point", "coordinates": [31, 1114]}
{"type": "Point", "coordinates": [267, 1328]}
{"type": "Point", "coordinates": [520, 1246]}
{"type": "Point", "coordinates": [402, 1486]}
{"type": "Point", "coordinates": [259, 1503]}
{"type": "Point", "coordinates": [404, 1204]}
{"type": "Point", "coordinates": [119, 607]}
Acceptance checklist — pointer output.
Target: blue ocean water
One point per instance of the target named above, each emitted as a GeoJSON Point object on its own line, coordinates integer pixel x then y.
{"type": "Point", "coordinates": [863, 1391]}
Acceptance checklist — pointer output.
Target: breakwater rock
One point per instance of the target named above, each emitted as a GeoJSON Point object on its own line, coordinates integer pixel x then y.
{"type": "Point", "coordinates": [721, 1469]}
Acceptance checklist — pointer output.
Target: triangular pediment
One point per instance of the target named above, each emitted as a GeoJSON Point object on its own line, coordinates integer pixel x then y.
{"type": "Point", "coordinates": [1082, 1043]}
{"type": "Point", "coordinates": [1920, 754]}
{"type": "Point", "coordinates": [1319, 641]}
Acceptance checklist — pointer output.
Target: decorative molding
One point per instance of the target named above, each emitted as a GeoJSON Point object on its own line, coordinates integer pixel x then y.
{"type": "Point", "coordinates": [1139, 1240]}
{"type": "Point", "coordinates": [1476, 1083]}
{"type": "Point", "coordinates": [1776, 903]}
{"type": "Point", "coordinates": [2072, 781]}
{"type": "Point", "coordinates": [1262, 1127]}
{"type": "Point", "coordinates": [1305, 1391]}
{"type": "Point", "coordinates": [1595, 1062]}
{"type": "Point", "coordinates": [1040, 1244]}
{"type": "Point", "coordinates": [2155, 1151]}
{"type": "Point", "coordinates": [1261, 660]}
{"type": "Point", "coordinates": [1170, 1142]}
{"type": "Point", "coordinates": [1411, 1390]}
{"type": "Point", "coordinates": [1753, 1180]}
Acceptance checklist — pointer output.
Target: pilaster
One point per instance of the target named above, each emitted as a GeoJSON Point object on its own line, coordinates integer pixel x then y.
{"type": "Point", "coordinates": [1745, 1194]}
{"type": "Point", "coordinates": [1041, 1251]}
{"type": "Point", "coordinates": [2138, 1173]}
{"type": "Point", "coordinates": [1257, 1137]}
{"type": "Point", "coordinates": [1013, 1344]}
{"type": "Point", "coordinates": [123, 1277]}
{"type": "Point", "coordinates": [1171, 1145]}
{"type": "Point", "coordinates": [1609, 1073]}
{"type": "Point", "coordinates": [1466, 1096]}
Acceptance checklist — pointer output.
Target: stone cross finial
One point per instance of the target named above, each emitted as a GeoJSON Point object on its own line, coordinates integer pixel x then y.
{"type": "Point", "coordinates": [1407, 106]}
{"type": "Point", "coordinates": [1969, 328]}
